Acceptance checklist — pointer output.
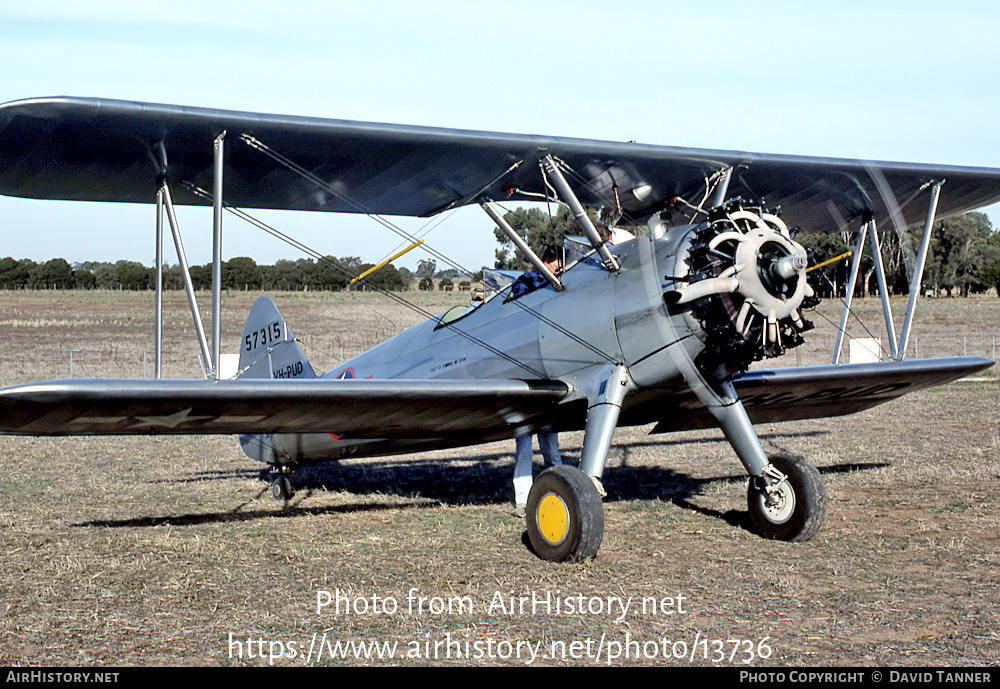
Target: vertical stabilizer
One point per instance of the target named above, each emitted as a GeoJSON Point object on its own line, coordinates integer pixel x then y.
{"type": "Point", "coordinates": [268, 348]}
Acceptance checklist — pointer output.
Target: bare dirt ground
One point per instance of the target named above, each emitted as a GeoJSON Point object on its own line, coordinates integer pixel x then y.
{"type": "Point", "coordinates": [170, 551]}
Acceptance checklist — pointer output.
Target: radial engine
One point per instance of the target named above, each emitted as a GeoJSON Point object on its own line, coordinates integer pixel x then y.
{"type": "Point", "coordinates": [743, 277]}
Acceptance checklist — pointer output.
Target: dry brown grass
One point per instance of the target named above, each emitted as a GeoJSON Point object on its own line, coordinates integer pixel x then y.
{"type": "Point", "coordinates": [152, 551]}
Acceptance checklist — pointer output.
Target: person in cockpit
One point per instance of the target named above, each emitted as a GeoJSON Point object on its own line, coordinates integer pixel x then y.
{"type": "Point", "coordinates": [532, 280]}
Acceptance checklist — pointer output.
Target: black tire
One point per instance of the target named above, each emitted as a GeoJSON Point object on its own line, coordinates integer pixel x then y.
{"type": "Point", "coordinates": [800, 507]}
{"type": "Point", "coordinates": [564, 515]}
{"type": "Point", "coordinates": [281, 488]}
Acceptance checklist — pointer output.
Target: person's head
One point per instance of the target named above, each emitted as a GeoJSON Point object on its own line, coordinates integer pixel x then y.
{"type": "Point", "coordinates": [552, 258]}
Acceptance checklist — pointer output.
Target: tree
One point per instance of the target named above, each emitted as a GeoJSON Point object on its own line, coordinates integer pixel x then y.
{"type": "Point", "coordinates": [385, 278]}
{"type": "Point", "coordinates": [331, 274]}
{"type": "Point", "coordinates": [426, 268]}
{"type": "Point", "coordinates": [830, 280]}
{"type": "Point", "coordinates": [283, 275]}
{"type": "Point", "coordinates": [201, 276]}
{"type": "Point", "coordinates": [240, 273]}
{"type": "Point", "coordinates": [957, 252]}
{"type": "Point", "coordinates": [537, 229]}
{"type": "Point", "coordinates": [57, 274]}
{"type": "Point", "coordinates": [989, 272]}
{"type": "Point", "coordinates": [406, 276]}
{"type": "Point", "coordinates": [134, 275]}
{"type": "Point", "coordinates": [172, 278]}
{"type": "Point", "coordinates": [84, 279]}
{"type": "Point", "coordinates": [13, 274]}
{"type": "Point", "coordinates": [107, 276]}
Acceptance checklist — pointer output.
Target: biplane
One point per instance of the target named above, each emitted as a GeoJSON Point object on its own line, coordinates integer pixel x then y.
{"type": "Point", "coordinates": [660, 329]}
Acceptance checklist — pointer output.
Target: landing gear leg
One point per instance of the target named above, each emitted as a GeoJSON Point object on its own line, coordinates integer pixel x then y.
{"type": "Point", "coordinates": [786, 496]}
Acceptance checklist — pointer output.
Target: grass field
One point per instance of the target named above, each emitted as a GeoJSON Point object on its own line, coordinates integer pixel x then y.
{"type": "Point", "coordinates": [170, 551]}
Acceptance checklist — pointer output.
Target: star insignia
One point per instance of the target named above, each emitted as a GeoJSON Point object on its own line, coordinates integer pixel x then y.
{"type": "Point", "coordinates": [173, 420]}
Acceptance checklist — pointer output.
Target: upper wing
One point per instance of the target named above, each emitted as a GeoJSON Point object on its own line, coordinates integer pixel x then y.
{"type": "Point", "coordinates": [811, 392]}
{"type": "Point", "coordinates": [105, 150]}
{"type": "Point", "coordinates": [361, 408]}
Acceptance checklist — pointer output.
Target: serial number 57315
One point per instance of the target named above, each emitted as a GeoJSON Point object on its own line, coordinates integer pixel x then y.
{"type": "Point", "coordinates": [265, 336]}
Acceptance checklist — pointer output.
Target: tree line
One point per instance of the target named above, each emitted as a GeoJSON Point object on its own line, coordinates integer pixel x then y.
{"type": "Point", "coordinates": [963, 259]}
{"type": "Point", "coordinates": [240, 273]}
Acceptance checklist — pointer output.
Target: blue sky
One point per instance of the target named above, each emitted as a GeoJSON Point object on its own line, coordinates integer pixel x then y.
{"type": "Point", "coordinates": [908, 81]}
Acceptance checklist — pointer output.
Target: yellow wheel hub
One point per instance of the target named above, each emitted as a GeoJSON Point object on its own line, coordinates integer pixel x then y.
{"type": "Point", "coordinates": [553, 518]}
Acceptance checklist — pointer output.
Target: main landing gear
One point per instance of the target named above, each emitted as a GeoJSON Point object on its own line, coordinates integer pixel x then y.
{"type": "Point", "coordinates": [565, 517]}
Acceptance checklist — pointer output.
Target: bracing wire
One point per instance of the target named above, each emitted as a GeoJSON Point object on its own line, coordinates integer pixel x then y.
{"type": "Point", "coordinates": [337, 265]}
{"type": "Point", "coordinates": [359, 207]}
{"type": "Point", "coordinates": [851, 311]}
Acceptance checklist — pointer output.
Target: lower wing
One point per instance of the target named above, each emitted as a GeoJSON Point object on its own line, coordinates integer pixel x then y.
{"type": "Point", "coordinates": [812, 392]}
{"type": "Point", "coordinates": [361, 408]}
{"type": "Point", "coordinates": [461, 410]}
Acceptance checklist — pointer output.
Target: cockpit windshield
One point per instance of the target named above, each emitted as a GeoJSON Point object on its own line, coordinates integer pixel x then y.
{"type": "Point", "coordinates": [496, 281]}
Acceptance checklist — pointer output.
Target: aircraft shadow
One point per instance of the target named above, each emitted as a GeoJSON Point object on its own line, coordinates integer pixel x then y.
{"type": "Point", "coordinates": [292, 509]}
{"type": "Point", "coordinates": [477, 480]}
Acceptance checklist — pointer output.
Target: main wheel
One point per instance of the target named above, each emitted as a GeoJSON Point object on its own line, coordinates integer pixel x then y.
{"type": "Point", "coordinates": [795, 510]}
{"type": "Point", "coordinates": [565, 517]}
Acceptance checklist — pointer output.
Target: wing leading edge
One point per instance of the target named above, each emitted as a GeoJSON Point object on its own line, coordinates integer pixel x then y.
{"type": "Point", "coordinates": [107, 150]}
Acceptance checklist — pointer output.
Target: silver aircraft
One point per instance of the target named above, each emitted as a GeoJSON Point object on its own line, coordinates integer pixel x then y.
{"type": "Point", "coordinates": [660, 329]}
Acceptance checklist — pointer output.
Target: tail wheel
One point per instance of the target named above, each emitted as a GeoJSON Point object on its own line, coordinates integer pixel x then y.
{"type": "Point", "coordinates": [792, 510]}
{"type": "Point", "coordinates": [565, 517]}
{"type": "Point", "coordinates": [281, 488]}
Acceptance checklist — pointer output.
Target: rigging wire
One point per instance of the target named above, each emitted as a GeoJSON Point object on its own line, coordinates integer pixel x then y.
{"type": "Point", "coordinates": [851, 311]}
{"type": "Point", "coordinates": [337, 265]}
{"type": "Point", "coordinates": [359, 207]}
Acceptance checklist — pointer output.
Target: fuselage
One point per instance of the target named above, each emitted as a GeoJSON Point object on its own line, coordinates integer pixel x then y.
{"type": "Point", "coordinates": [689, 306]}
{"type": "Point", "coordinates": [599, 320]}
